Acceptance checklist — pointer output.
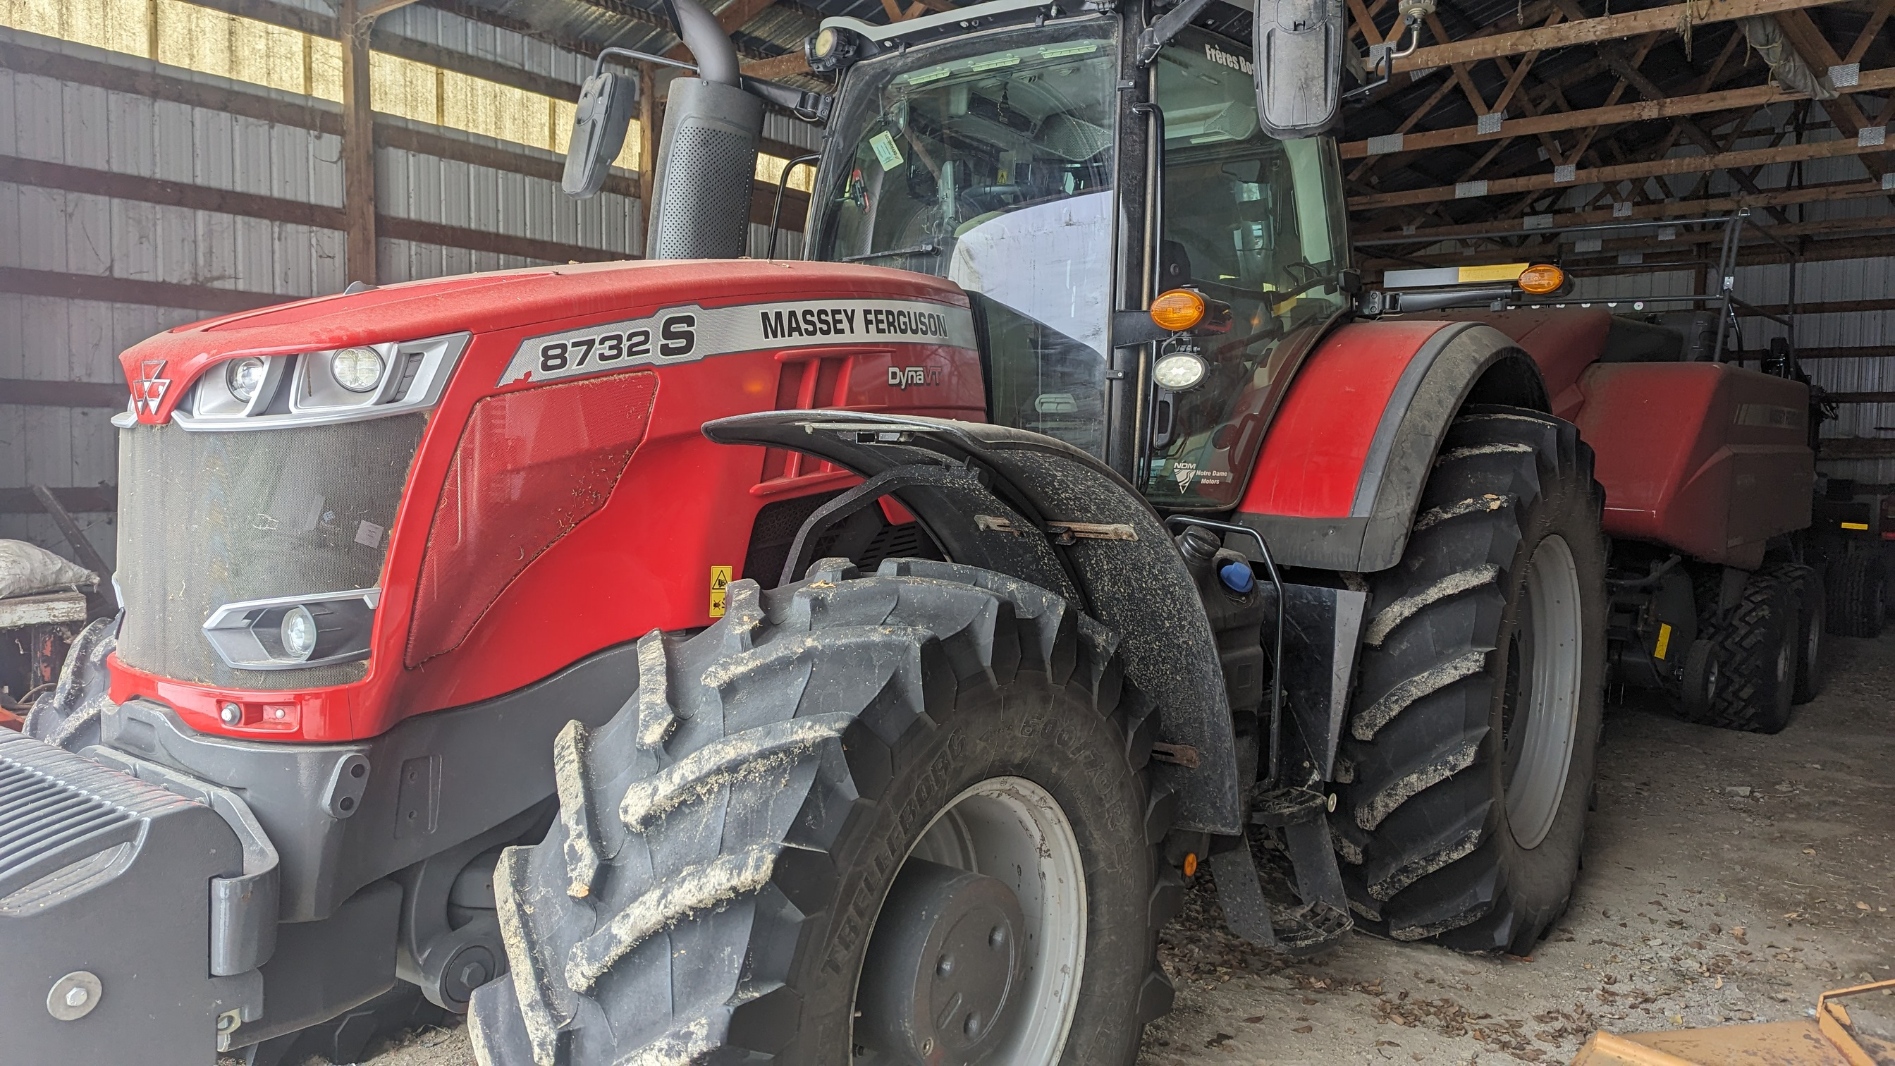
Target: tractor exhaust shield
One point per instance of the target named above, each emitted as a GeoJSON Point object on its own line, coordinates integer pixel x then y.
{"type": "Point", "coordinates": [707, 161]}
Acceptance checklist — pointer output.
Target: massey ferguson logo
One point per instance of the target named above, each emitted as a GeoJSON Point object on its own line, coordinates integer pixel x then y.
{"type": "Point", "coordinates": [149, 389]}
{"type": "Point", "coordinates": [901, 377]}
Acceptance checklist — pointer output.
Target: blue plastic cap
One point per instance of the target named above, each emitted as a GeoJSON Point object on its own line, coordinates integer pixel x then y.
{"type": "Point", "coordinates": [1237, 577]}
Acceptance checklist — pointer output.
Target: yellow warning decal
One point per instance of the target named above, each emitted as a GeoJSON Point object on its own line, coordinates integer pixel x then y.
{"type": "Point", "coordinates": [1664, 640]}
{"type": "Point", "coordinates": [1862, 526]}
{"type": "Point", "coordinates": [1494, 272]}
{"type": "Point", "coordinates": [720, 580]}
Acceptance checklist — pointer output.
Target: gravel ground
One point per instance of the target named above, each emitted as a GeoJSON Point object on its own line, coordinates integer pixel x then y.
{"type": "Point", "coordinates": [1728, 877]}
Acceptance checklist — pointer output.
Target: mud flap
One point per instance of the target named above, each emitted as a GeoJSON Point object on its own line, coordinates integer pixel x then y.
{"type": "Point", "coordinates": [1043, 511]}
{"type": "Point", "coordinates": [118, 917]}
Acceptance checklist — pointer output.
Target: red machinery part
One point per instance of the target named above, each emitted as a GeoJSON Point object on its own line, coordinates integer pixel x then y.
{"type": "Point", "coordinates": [614, 573]}
{"type": "Point", "coordinates": [1707, 458]}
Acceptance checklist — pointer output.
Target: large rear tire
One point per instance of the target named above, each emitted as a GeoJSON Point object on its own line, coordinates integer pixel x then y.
{"type": "Point", "coordinates": [932, 776]}
{"type": "Point", "coordinates": [1469, 754]}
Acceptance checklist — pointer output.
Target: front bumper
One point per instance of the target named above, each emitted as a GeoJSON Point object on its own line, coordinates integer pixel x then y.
{"type": "Point", "coordinates": [136, 907]}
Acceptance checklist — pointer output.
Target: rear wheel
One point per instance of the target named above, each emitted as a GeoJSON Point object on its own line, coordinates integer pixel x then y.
{"type": "Point", "coordinates": [1811, 613]}
{"type": "Point", "coordinates": [1756, 648]}
{"type": "Point", "coordinates": [1472, 733]}
{"type": "Point", "coordinates": [869, 820]}
{"type": "Point", "coordinates": [1857, 587]}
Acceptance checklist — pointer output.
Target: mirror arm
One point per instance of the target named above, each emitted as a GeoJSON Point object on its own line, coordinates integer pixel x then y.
{"type": "Point", "coordinates": [811, 107]}
{"type": "Point", "coordinates": [642, 57]}
{"type": "Point", "coordinates": [1160, 33]}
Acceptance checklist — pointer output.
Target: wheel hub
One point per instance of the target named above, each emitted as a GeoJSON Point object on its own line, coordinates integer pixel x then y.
{"type": "Point", "coordinates": [942, 966]}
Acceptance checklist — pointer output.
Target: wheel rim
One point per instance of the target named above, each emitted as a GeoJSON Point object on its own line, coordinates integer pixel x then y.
{"type": "Point", "coordinates": [1015, 833]}
{"type": "Point", "coordinates": [1547, 661]}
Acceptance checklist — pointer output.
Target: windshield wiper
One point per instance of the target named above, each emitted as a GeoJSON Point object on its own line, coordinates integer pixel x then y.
{"type": "Point", "coordinates": [915, 249]}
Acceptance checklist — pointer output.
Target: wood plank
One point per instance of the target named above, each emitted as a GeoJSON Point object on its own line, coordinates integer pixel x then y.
{"type": "Point", "coordinates": [1858, 397]}
{"type": "Point", "coordinates": [1669, 17]}
{"type": "Point", "coordinates": [170, 193]}
{"type": "Point", "coordinates": [100, 500]}
{"type": "Point", "coordinates": [35, 393]}
{"type": "Point", "coordinates": [783, 66]}
{"type": "Point", "coordinates": [480, 240]}
{"type": "Point", "coordinates": [1856, 448]}
{"type": "Point", "coordinates": [1641, 111]}
{"type": "Point", "coordinates": [1788, 153]}
{"type": "Point", "coordinates": [358, 146]}
{"type": "Point", "coordinates": [131, 291]}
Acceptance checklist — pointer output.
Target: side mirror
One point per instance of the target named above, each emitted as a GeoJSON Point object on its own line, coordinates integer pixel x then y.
{"type": "Point", "coordinates": [598, 132]}
{"type": "Point", "coordinates": [1298, 46]}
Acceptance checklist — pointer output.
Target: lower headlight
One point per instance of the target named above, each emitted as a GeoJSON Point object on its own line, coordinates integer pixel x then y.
{"type": "Point", "coordinates": [298, 633]}
{"type": "Point", "coordinates": [357, 369]}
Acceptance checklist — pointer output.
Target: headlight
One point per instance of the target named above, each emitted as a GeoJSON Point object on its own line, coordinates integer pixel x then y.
{"type": "Point", "coordinates": [357, 369]}
{"type": "Point", "coordinates": [293, 632]}
{"type": "Point", "coordinates": [1179, 371]}
{"type": "Point", "coordinates": [298, 632]}
{"type": "Point", "coordinates": [244, 377]}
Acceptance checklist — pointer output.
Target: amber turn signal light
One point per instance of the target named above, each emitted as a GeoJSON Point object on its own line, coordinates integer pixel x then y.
{"type": "Point", "coordinates": [1178, 310]}
{"type": "Point", "coordinates": [1542, 279]}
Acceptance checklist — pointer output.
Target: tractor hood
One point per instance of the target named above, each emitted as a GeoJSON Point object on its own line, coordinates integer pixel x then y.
{"type": "Point", "coordinates": [160, 369]}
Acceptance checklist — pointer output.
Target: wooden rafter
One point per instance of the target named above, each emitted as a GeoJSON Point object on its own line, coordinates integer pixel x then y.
{"type": "Point", "coordinates": [1624, 172]}
{"type": "Point", "coordinates": [1670, 17]}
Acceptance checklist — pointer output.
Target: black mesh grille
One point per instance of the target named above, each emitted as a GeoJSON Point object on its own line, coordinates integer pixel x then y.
{"type": "Point", "coordinates": [705, 203]}
{"type": "Point", "coordinates": [207, 519]}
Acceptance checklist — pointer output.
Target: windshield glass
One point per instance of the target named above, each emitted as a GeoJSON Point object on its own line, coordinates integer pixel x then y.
{"type": "Point", "coordinates": [1256, 223]}
{"type": "Point", "coordinates": [989, 162]}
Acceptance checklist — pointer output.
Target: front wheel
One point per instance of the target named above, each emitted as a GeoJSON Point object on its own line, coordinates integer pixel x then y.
{"type": "Point", "coordinates": [1469, 753]}
{"type": "Point", "coordinates": [861, 820]}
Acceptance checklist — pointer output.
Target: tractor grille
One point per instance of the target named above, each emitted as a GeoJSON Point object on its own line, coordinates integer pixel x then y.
{"type": "Point", "coordinates": [211, 518]}
{"type": "Point", "coordinates": [50, 801]}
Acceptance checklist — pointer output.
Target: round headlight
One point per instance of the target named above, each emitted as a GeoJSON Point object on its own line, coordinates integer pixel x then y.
{"type": "Point", "coordinates": [357, 369]}
{"type": "Point", "coordinates": [244, 377]}
{"type": "Point", "coordinates": [1179, 371]}
{"type": "Point", "coordinates": [298, 633]}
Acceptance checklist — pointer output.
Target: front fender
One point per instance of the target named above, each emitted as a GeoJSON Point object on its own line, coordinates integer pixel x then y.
{"type": "Point", "coordinates": [1131, 578]}
{"type": "Point", "coordinates": [1344, 461]}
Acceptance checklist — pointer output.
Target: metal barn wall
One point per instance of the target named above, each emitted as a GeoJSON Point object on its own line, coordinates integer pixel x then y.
{"type": "Point", "coordinates": [97, 252]}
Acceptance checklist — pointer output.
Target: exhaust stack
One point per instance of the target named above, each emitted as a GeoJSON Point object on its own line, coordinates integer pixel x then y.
{"type": "Point", "coordinates": [707, 152]}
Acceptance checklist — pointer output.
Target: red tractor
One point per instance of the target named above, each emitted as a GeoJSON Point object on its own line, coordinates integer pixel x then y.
{"type": "Point", "coordinates": [705, 659]}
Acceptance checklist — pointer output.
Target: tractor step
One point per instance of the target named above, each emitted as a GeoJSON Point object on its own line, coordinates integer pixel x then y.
{"type": "Point", "coordinates": [1311, 927]}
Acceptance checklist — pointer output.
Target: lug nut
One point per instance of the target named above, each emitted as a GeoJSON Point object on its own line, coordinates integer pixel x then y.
{"type": "Point", "coordinates": [76, 997]}
{"type": "Point", "coordinates": [231, 714]}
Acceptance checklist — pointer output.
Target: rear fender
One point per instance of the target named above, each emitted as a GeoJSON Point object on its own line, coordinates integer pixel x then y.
{"type": "Point", "coordinates": [1043, 511]}
{"type": "Point", "coordinates": [1343, 463]}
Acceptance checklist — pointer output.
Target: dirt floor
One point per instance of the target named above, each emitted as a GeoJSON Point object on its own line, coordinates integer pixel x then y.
{"type": "Point", "coordinates": [1728, 877]}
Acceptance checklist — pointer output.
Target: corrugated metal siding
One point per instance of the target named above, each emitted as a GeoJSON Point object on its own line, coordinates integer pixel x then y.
{"type": "Point", "coordinates": [51, 338]}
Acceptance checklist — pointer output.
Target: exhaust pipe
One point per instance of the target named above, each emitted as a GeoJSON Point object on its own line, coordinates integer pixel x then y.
{"type": "Point", "coordinates": [707, 152]}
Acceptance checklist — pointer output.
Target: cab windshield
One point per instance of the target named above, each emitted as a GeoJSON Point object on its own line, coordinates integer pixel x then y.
{"type": "Point", "coordinates": [989, 162]}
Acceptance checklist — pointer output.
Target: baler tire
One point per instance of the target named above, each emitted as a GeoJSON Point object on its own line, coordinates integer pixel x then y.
{"type": "Point", "coordinates": [1806, 583]}
{"type": "Point", "coordinates": [1858, 582]}
{"type": "Point", "coordinates": [726, 843]}
{"type": "Point", "coordinates": [1757, 647]}
{"type": "Point", "coordinates": [1505, 554]}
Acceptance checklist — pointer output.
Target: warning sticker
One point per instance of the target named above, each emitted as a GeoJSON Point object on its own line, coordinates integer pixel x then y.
{"type": "Point", "coordinates": [720, 581]}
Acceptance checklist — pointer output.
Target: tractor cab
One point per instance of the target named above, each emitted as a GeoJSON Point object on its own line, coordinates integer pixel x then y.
{"type": "Point", "coordinates": [1012, 163]}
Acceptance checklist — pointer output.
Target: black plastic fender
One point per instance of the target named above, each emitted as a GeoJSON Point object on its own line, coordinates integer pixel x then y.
{"type": "Point", "coordinates": [1043, 511]}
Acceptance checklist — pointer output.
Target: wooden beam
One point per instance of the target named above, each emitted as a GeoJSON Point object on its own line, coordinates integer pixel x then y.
{"type": "Point", "coordinates": [100, 500]}
{"type": "Point", "coordinates": [776, 67]}
{"type": "Point", "coordinates": [1857, 397]}
{"type": "Point", "coordinates": [1641, 111]}
{"type": "Point", "coordinates": [1623, 172]}
{"type": "Point", "coordinates": [1679, 210]}
{"type": "Point", "coordinates": [358, 146]}
{"type": "Point", "coordinates": [1856, 448]}
{"type": "Point", "coordinates": [129, 291]}
{"type": "Point", "coordinates": [1590, 31]}
{"type": "Point", "coordinates": [201, 198]}
{"type": "Point", "coordinates": [32, 392]}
